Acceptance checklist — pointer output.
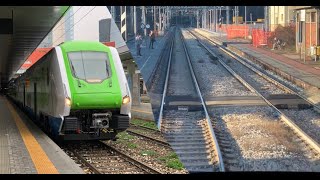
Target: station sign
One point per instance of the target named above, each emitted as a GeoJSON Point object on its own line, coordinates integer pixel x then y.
{"type": "Point", "coordinates": [302, 15]}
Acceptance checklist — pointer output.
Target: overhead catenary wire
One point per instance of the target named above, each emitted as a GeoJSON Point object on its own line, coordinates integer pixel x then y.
{"type": "Point", "coordinates": [74, 25]}
{"type": "Point", "coordinates": [62, 23]}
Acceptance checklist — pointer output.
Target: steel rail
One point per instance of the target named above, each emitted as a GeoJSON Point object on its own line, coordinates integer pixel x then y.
{"type": "Point", "coordinates": [282, 116]}
{"type": "Point", "coordinates": [209, 125]}
{"type": "Point", "coordinates": [135, 162]}
{"type": "Point", "coordinates": [150, 138]}
{"type": "Point", "coordinates": [259, 71]}
{"type": "Point", "coordinates": [165, 86]}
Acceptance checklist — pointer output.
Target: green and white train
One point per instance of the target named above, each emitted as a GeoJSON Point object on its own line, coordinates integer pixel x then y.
{"type": "Point", "coordinates": [77, 91]}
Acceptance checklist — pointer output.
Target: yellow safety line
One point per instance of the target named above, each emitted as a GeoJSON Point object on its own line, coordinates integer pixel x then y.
{"type": "Point", "coordinates": [40, 159]}
{"type": "Point", "coordinates": [141, 111]}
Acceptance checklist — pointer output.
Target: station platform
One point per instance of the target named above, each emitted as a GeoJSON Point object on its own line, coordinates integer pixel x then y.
{"type": "Point", "coordinates": [147, 62]}
{"type": "Point", "coordinates": [304, 75]}
{"type": "Point", "coordinates": [25, 149]}
{"type": "Point", "coordinates": [142, 111]}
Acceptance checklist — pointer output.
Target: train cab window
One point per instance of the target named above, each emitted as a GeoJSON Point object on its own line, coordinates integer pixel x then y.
{"type": "Point", "coordinates": [90, 65]}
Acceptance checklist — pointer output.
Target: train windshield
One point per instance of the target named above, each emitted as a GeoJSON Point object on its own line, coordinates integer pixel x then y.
{"type": "Point", "coordinates": [90, 66]}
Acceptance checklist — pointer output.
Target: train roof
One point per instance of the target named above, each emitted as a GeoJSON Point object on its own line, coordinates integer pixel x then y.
{"type": "Point", "coordinates": [83, 45]}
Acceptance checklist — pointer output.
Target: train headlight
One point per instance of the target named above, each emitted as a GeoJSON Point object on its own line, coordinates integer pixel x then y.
{"type": "Point", "coordinates": [68, 101]}
{"type": "Point", "coordinates": [125, 100]}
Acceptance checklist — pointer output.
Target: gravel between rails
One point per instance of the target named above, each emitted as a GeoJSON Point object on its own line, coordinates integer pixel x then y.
{"type": "Point", "coordinates": [180, 80]}
{"type": "Point", "coordinates": [277, 151]}
{"type": "Point", "coordinates": [147, 152]}
{"type": "Point", "coordinates": [150, 133]}
{"type": "Point", "coordinates": [214, 80]}
{"type": "Point", "coordinates": [86, 169]}
{"type": "Point", "coordinates": [279, 78]}
{"type": "Point", "coordinates": [308, 120]}
{"type": "Point", "coordinates": [155, 89]}
{"type": "Point", "coordinates": [260, 142]}
{"type": "Point", "coordinates": [263, 86]}
{"type": "Point", "coordinates": [102, 158]}
{"type": "Point", "coordinates": [313, 94]}
{"type": "Point", "coordinates": [180, 118]}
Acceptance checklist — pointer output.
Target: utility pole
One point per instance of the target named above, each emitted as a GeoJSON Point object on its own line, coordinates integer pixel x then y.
{"type": "Point", "coordinates": [167, 18]}
{"type": "Point", "coordinates": [232, 15]}
{"type": "Point", "coordinates": [144, 18]}
{"type": "Point", "coordinates": [235, 15]}
{"type": "Point", "coordinates": [205, 18]}
{"type": "Point", "coordinates": [164, 18]}
{"type": "Point", "coordinates": [227, 14]}
{"type": "Point", "coordinates": [113, 12]}
{"type": "Point", "coordinates": [135, 20]}
{"type": "Point", "coordinates": [159, 19]}
{"type": "Point", "coordinates": [266, 18]}
{"type": "Point", "coordinates": [154, 18]}
{"type": "Point", "coordinates": [213, 19]}
{"type": "Point", "coordinates": [177, 14]}
{"type": "Point", "coordinates": [210, 19]}
{"type": "Point", "coordinates": [216, 18]}
{"type": "Point", "coordinates": [220, 20]}
{"type": "Point", "coordinates": [123, 17]}
{"type": "Point", "coordinates": [303, 35]}
{"type": "Point", "coordinates": [197, 18]}
{"type": "Point", "coordinates": [245, 22]}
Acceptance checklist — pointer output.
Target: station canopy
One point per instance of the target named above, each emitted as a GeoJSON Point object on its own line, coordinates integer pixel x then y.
{"type": "Point", "coordinates": [22, 30]}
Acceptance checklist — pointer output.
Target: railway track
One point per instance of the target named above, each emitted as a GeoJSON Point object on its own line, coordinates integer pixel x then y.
{"type": "Point", "coordinates": [269, 92]}
{"type": "Point", "coordinates": [287, 103]}
{"type": "Point", "coordinates": [148, 133]}
{"type": "Point", "coordinates": [183, 117]}
{"type": "Point", "coordinates": [156, 81]}
{"type": "Point", "coordinates": [101, 158]}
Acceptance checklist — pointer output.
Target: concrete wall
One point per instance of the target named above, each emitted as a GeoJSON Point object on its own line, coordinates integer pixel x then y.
{"type": "Point", "coordinates": [86, 21]}
{"type": "Point", "coordinates": [84, 25]}
{"type": "Point", "coordinates": [58, 33]}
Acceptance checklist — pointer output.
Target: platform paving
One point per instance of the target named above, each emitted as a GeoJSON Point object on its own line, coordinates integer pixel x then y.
{"type": "Point", "coordinates": [147, 62]}
{"type": "Point", "coordinates": [14, 155]}
{"type": "Point", "coordinates": [142, 111]}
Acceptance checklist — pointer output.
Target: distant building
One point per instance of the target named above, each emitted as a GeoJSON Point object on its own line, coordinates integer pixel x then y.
{"type": "Point", "coordinates": [58, 32]}
{"type": "Point", "coordinates": [308, 19]}
{"type": "Point", "coordinates": [69, 18]}
{"type": "Point", "coordinates": [281, 15]}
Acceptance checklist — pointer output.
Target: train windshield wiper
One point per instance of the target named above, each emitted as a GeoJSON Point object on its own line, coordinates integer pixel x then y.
{"type": "Point", "coordinates": [74, 72]}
